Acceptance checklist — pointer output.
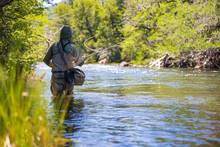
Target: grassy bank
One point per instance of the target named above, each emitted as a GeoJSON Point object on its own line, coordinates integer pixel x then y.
{"type": "Point", "coordinates": [23, 115]}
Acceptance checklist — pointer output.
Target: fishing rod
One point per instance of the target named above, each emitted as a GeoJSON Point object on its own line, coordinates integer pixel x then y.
{"type": "Point", "coordinates": [98, 50]}
{"type": "Point", "coordinates": [86, 58]}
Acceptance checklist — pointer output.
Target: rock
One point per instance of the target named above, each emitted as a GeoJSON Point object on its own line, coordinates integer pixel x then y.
{"type": "Point", "coordinates": [104, 61]}
{"type": "Point", "coordinates": [198, 67]}
{"type": "Point", "coordinates": [124, 64]}
{"type": "Point", "coordinates": [156, 63]}
{"type": "Point", "coordinates": [104, 57]}
{"type": "Point", "coordinates": [167, 61]}
{"type": "Point", "coordinates": [183, 63]}
{"type": "Point", "coordinates": [164, 61]}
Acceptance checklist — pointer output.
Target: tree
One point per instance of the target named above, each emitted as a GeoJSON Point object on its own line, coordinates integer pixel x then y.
{"type": "Point", "coordinates": [153, 28]}
{"type": "Point", "coordinates": [109, 31]}
{"type": "Point", "coordinates": [21, 25]}
{"type": "Point", "coordinates": [142, 29]}
{"type": "Point", "coordinates": [87, 16]}
{"type": "Point", "coordinates": [63, 14]}
{"type": "Point", "coordinates": [141, 19]}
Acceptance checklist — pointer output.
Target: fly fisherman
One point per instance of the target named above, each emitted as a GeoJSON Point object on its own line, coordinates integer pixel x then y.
{"type": "Point", "coordinates": [61, 57]}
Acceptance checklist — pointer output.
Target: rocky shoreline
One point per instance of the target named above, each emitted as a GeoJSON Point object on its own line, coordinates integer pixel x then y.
{"type": "Point", "coordinates": [208, 59]}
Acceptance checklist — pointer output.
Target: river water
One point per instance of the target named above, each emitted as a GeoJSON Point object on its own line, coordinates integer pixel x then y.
{"type": "Point", "coordinates": [142, 107]}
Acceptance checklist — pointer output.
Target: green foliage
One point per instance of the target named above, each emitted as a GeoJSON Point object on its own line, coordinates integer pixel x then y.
{"type": "Point", "coordinates": [186, 28]}
{"type": "Point", "coordinates": [136, 45]}
{"type": "Point", "coordinates": [137, 29]}
{"type": "Point", "coordinates": [23, 117]}
{"type": "Point", "coordinates": [168, 27]}
{"type": "Point", "coordinates": [144, 29]}
{"type": "Point", "coordinates": [63, 12]}
{"type": "Point", "coordinates": [87, 16]}
{"type": "Point", "coordinates": [21, 28]}
{"type": "Point", "coordinates": [217, 7]}
{"type": "Point", "coordinates": [91, 19]}
{"type": "Point", "coordinates": [109, 31]}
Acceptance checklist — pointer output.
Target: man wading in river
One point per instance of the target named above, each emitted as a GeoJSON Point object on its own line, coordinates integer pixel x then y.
{"type": "Point", "coordinates": [62, 57]}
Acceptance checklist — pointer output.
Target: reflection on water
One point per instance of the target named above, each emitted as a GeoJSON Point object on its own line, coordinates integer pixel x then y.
{"type": "Point", "coordinates": [139, 107]}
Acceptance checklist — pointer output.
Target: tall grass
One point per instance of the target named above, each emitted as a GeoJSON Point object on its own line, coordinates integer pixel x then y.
{"type": "Point", "coordinates": [23, 115]}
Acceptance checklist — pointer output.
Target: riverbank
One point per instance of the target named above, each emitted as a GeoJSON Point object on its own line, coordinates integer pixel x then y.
{"type": "Point", "coordinates": [208, 59]}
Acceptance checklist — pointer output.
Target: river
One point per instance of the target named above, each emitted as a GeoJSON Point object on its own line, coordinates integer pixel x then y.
{"type": "Point", "coordinates": [142, 107]}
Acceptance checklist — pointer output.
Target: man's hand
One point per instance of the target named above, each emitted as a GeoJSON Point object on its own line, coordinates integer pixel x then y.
{"type": "Point", "coordinates": [81, 61]}
{"type": "Point", "coordinates": [81, 64]}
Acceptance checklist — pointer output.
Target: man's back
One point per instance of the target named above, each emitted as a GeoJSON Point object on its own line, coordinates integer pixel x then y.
{"type": "Point", "coordinates": [63, 58]}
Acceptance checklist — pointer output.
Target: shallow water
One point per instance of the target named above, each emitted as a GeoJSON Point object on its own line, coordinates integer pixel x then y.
{"type": "Point", "coordinates": [142, 107]}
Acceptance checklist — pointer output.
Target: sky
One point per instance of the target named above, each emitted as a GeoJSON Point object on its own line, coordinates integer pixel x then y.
{"type": "Point", "coordinates": [52, 2]}
{"type": "Point", "coordinates": [56, 1]}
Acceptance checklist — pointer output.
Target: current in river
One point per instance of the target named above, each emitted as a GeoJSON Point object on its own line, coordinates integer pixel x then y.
{"type": "Point", "coordinates": [125, 106]}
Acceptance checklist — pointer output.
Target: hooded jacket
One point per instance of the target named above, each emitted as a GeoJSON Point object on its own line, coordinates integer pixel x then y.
{"type": "Point", "coordinates": [62, 50]}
